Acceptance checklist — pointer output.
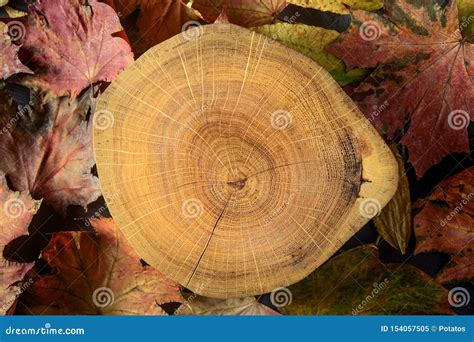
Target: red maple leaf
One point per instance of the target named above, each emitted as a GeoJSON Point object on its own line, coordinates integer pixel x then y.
{"type": "Point", "coordinates": [98, 273]}
{"type": "Point", "coordinates": [446, 224]}
{"type": "Point", "coordinates": [72, 46]}
{"type": "Point", "coordinates": [45, 149]}
{"type": "Point", "coordinates": [157, 21]}
{"type": "Point", "coordinates": [423, 76]}
{"type": "Point", "coordinates": [248, 13]}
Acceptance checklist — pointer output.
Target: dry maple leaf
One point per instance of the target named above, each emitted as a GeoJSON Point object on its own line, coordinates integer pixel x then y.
{"type": "Point", "coordinates": [45, 149]}
{"type": "Point", "coordinates": [424, 76]}
{"type": "Point", "coordinates": [249, 306]}
{"type": "Point", "coordinates": [247, 13]}
{"type": "Point", "coordinates": [72, 45]}
{"type": "Point", "coordinates": [97, 273]}
{"type": "Point", "coordinates": [16, 212]}
{"type": "Point", "coordinates": [10, 64]}
{"type": "Point", "coordinates": [158, 20]}
{"type": "Point", "coordinates": [446, 224]}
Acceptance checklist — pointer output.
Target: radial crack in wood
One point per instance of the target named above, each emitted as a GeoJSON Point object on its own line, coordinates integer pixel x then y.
{"type": "Point", "coordinates": [234, 164]}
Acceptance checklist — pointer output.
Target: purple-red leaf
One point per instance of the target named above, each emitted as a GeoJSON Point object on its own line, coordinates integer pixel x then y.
{"type": "Point", "coordinates": [248, 13]}
{"type": "Point", "coordinates": [424, 76]}
{"type": "Point", "coordinates": [45, 149]}
{"type": "Point", "coordinates": [72, 46]}
{"type": "Point", "coordinates": [16, 211]}
{"type": "Point", "coordinates": [446, 224]}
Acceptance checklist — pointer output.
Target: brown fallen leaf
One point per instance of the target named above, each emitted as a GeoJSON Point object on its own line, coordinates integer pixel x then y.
{"type": "Point", "coordinates": [72, 46]}
{"type": "Point", "coordinates": [45, 149]}
{"type": "Point", "coordinates": [247, 13]}
{"type": "Point", "coordinates": [394, 221]}
{"type": "Point", "coordinates": [249, 306]}
{"type": "Point", "coordinates": [16, 212]}
{"type": "Point", "coordinates": [446, 224]}
{"type": "Point", "coordinates": [99, 274]}
{"type": "Point", "coordinates": [10, 64]}
{"type": "Point", "coordinates": [424, 74]}
{"type": "Point", "coordinates": [158, 20]}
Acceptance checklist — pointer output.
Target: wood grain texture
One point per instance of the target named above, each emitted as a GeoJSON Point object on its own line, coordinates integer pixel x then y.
{"type": "Point", "coordinates": [234, 164]}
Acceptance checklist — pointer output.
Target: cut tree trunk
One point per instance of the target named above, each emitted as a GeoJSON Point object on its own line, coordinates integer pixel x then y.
{"type": "Point", "coordinates": [234, 164]}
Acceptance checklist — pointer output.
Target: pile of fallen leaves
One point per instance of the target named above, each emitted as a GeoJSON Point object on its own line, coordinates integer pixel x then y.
{"type": "Point", "coordinates": [409, 66]}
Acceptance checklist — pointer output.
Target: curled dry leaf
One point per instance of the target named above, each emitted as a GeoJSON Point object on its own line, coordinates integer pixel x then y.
{"type": "Point", "coordinates": [394, 222]}
{"type": "Point", "coordinates": [249, 306]}
{"type": "Point", "coordinates": [16, 211]}
{"type": "Point", "coordinates": [46, 150]}
{"type": "Point", "coordinates": [247, 13]}
{"type": "Point", "coordinates": [357, 282]}
{"type": "Point", "coordinates": [12, 10]}
{"type": "Point", "coordinates": [72, 46]}
{"type": "Point", "coordinates": [9, 62]}
{"type": "Point", "coordinates": [417, 50]}
{"type": "Point", "coordinates": [97, 273]}
{"type": "Point", "coordinates": [446, 224]}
